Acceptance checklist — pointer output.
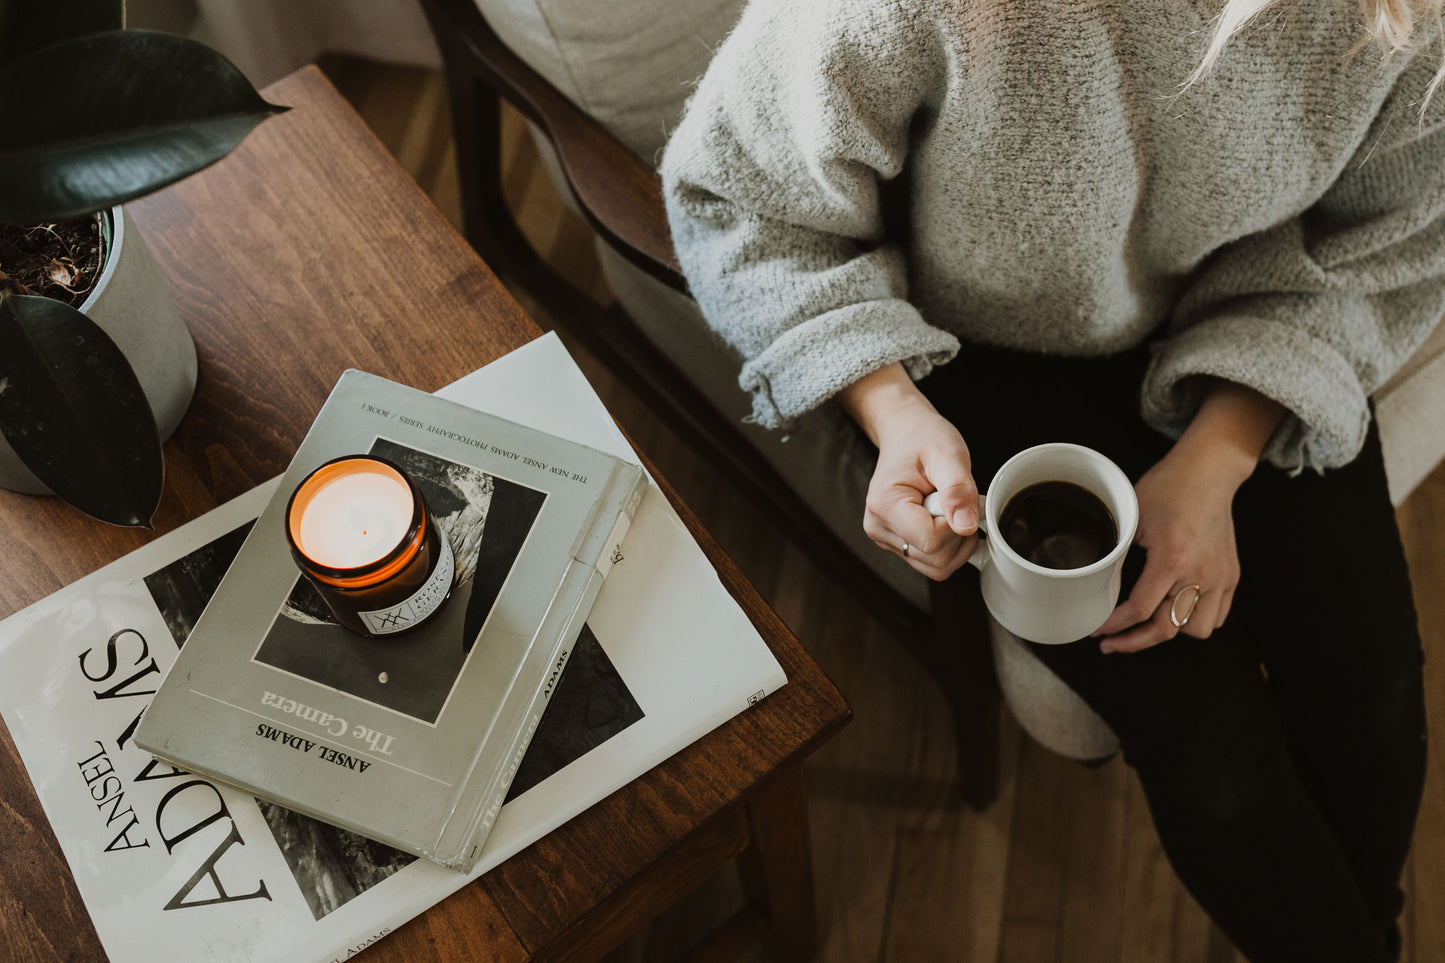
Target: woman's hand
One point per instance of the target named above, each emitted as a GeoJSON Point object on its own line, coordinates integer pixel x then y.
{"type": "Point", "coordinates": [919, 452]}
{"type": "Point", "coordinates": [1187, 529]}
{"type": "Point", "coordinates": [1186, 525]}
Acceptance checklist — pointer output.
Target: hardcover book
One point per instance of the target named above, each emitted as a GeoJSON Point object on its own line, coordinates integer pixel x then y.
{"type": "Point", "coordinates": [410, 739]}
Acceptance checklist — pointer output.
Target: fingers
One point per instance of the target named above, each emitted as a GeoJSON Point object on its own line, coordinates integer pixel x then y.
{"type": "Point", "coordinates": [1187, 608]}
{"type": "Point", "coordinates": [1158, 626]}
{"type": "Point", "coordinates": [925, 542]}
{"type": "Point", "coordinates": [1209, 613]}
{"type": "Point", "coordinates": [1222, 606]}
{"type": "Point", "coordinates": [938, 557]}
{"type": "Point", "coordinates": [1143, 602]}
{"type": "Point", "coordinates": [901, 518]}
{"type": "Point", "coordinates": [1143, 634]}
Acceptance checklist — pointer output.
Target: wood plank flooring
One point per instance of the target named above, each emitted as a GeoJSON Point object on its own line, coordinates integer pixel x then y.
{"type": "Point", "coordinates": [1065, 867]}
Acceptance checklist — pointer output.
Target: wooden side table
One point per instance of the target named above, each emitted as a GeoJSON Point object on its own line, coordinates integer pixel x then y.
{"type": "Point", "coordinates": [306, 251]}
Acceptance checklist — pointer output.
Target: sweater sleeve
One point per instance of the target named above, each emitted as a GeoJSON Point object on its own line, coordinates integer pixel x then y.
{"type": "Point", "coordinates": [772, 182]}
{"type": "Point", "coordinates": [1321, 310]}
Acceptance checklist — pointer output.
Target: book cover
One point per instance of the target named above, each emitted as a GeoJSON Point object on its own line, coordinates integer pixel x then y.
{"type": "Point", "coordinates": [410, 739]}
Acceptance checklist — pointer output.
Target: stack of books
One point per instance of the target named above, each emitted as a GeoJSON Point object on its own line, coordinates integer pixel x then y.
{"type": "Point", "coordinates": [234, 776]}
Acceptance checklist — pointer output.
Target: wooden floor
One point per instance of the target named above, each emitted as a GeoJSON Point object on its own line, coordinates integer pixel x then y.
{"type": "Point", "coordinates": [1065, 867]}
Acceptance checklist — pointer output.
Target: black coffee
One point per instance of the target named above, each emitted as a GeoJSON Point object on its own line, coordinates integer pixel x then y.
{"type": "Point", "coordinates": [1058, 524]}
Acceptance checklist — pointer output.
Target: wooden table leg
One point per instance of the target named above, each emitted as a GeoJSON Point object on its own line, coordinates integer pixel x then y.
{"type": "Point", "coordinates": [768, 836]}
{"type": "Point", "coordinates": [777, 868]}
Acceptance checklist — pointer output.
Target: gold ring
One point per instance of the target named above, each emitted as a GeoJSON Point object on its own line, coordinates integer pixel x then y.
{"type": "Point", "coordinates": [905, 549]}
{"type": "Point", "coordinates": [1179, 621]}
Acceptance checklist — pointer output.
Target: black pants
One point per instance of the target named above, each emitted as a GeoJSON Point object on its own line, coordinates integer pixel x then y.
{"type": "Point", "coordinates": [1283, 757]}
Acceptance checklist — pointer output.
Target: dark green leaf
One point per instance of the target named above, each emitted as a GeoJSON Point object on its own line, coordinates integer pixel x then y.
{"type": "Point", "coordinates": [72, 409]}
{"type": "Point", "coordinates": [97, 121]}
{"type": "Point", "coordinates": [27, 25]}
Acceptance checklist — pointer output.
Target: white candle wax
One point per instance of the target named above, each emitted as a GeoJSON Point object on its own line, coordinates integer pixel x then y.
{"type": "Point", "coordinates": [355, 518]}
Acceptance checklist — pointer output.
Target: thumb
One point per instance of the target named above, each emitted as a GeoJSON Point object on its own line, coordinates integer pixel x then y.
{"type": "Point", "coordinates": [956, 501]}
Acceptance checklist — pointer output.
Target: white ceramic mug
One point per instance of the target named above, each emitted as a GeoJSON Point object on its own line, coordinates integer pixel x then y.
{"type": "Point", "coordinates": [1042, 604]}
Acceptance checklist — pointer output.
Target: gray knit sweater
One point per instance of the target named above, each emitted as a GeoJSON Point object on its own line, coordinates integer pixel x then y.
{"type": "Point", "coordinates": [857, 182]}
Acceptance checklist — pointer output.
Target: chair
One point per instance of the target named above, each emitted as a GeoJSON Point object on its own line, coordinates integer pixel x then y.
{"type": "Point", "coordinates": [629, 64]}
{"type": "Point", "coordinates": [619, 196]}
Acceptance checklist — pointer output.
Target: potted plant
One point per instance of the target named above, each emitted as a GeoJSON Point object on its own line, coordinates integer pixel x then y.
{"type": "Point", "coordinates": [96, 365]}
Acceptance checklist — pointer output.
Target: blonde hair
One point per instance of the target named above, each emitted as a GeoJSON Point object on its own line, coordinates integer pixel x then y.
{"type": "Point", "coordinates": [1389, 24]}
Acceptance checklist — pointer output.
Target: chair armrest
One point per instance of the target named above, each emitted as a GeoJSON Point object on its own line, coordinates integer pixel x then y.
{"type": "Point", "coordinates": [619, 195]}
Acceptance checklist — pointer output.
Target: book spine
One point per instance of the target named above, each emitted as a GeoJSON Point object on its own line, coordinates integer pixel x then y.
{"type": "Point", "coordinates": [483, 826]}
{"type": "Point", "coordinates": [460, 842]}
{"type": "Point", "coordinates": [598, 545]}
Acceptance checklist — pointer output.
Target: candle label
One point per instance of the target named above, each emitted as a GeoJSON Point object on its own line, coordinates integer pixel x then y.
{"type": "Point", "coordinates": [421, 604]}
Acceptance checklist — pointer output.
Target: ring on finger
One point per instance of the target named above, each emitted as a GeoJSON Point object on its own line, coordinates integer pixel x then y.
{"type": "Point", "coordinates": [1175, 618]}
{"type": "Point", "coordinates": [905, 549]}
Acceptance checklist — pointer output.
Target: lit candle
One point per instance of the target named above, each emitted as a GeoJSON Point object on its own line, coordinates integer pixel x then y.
{"type": "Point", "coordinates": [356, 513]}
{"type": "Point", "coordinates": [359, 529]}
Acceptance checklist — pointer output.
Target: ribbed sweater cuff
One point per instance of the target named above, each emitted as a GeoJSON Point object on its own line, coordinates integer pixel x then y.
{"type": "Point", "coordinates": [1329, 411]}
{"type": "Point", "coordinates": [814, 360]}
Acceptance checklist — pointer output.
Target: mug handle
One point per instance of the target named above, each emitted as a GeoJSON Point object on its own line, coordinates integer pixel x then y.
{"type": "Point", "coordinates": [933, 503]}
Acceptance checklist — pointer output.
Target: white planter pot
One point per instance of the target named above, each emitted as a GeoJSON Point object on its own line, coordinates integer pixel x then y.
{"type": "Point", "coordinates": [132, 304]}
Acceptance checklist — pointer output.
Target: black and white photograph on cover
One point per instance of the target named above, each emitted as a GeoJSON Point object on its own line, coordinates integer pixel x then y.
{"type": "Point", "coordinates": [182, 588]}
{"type": "Point", "coordinates": [332, 866]}
{"type": "Point", "coordinates": [487, 518]}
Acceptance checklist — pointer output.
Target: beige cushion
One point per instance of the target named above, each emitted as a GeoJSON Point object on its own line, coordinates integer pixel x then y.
{"type": "Point", "coordinates": [1410, 410]}
{"type": "Point", "coordinates": [632, 64]}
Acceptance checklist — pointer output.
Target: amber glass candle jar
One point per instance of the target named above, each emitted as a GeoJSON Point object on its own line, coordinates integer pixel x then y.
{"type": "Point", "coordinates": [360, 530]}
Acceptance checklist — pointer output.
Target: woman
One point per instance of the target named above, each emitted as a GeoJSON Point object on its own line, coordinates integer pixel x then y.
{"type": "Point", "coordinates": [979, 225]}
